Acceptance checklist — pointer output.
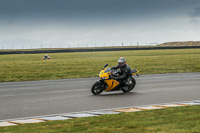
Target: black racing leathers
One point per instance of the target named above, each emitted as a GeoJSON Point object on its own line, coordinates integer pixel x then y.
{"type": "Point", "coordinates": [125, 71]}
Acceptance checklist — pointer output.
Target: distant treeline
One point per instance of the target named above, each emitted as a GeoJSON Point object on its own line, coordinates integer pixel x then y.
{"type": "Point", "coordinates": [94, 49]}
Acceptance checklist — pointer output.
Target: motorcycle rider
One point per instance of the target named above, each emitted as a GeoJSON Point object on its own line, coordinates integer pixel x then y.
{"type": "Point", "coordinates": [125, 71]}
{"type": "Point", "coordinates": [46, 56]}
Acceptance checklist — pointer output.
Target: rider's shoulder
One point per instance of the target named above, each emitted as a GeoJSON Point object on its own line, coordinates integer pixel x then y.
{"type": "Point", "coordinates": [127, 66]}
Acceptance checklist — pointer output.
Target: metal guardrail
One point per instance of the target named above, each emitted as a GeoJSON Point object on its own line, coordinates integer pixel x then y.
{"type": "Point", "coordinates": [95, 49]}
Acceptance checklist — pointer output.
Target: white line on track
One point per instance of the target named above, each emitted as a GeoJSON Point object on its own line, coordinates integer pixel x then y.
{"type": "Point", "coordinates": [47, 82]}
{"type": "Point", "coordinates": [79, 90]}
{"type": "Point", "coordinates": [45, 92]}
{"type": "Point", "coordinates": [35, 84]}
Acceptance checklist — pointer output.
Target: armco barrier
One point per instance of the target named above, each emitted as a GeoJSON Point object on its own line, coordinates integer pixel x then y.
{"type": "Point", "coordinates": [94, 49]}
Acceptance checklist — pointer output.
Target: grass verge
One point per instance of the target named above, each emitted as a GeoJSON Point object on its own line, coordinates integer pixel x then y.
{"type": "Point", "coordinates": [27, 67]}
{"type": "Point", "coordinates": [169, 120]}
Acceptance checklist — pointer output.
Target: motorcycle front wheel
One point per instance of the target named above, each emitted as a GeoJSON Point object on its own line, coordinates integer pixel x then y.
{"type": "Point", "coordinates": [97, 88]}
{"type": "Point", "coordinates": [130, 87]}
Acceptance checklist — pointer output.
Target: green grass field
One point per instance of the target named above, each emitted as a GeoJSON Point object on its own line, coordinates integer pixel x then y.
{"type": "Point", "coordinates": [170, 120]}
{"type": "Point", "coordinates": [27, 67]}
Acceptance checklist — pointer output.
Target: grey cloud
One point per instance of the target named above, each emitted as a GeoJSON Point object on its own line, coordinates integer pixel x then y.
{"type": "Point", "coordinates": [87, 9]}
{"type": "Point", "coordinates": [95, 21]}
{"type": "Point", "coordinates": [196, 12]}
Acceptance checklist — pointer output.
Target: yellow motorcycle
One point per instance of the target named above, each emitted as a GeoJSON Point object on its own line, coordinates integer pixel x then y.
{"type": "Point", "coordinates": [107, 83]}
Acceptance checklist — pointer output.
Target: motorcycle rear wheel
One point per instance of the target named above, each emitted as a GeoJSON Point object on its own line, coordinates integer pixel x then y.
{"type": "Point", "coordinates": [130, 87]}
{"type": "Point", "coordinates": [97, 88]}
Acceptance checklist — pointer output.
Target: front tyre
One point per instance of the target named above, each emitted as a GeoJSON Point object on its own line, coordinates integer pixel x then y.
{"type": "Point", "coordinates": [97, 88]}
{"type": "Point", "coordinates": [129, 87]}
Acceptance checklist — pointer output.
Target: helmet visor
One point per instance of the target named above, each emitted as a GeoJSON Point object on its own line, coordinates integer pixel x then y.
{"type": "Point", "coordinates": [120, 63]}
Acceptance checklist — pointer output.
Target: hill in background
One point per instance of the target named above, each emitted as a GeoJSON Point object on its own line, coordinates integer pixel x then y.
{"type": "Point", "coordinates": [186, 43]}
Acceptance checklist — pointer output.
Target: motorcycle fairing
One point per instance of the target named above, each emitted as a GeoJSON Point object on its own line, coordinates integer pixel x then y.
{"type": "Point", "coordinates": [104, 74]}
{"type": "Point", "coordinates": [111, 84]}
{"type": "Point", "coordinates": [134, 71]}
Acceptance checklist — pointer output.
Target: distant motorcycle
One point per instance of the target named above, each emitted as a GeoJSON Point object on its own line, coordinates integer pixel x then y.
{"type": "Point", "coordinates": [107, 83]}
{"type": "Point", "coordinates": [46, 58]}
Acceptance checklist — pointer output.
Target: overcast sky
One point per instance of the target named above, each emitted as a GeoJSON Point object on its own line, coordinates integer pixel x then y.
{"type": "Point", "coordinates": [64, 23]}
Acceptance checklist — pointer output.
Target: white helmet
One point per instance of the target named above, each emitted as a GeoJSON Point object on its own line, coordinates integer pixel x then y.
{"type": "Point", "coordinates": [121, 61]}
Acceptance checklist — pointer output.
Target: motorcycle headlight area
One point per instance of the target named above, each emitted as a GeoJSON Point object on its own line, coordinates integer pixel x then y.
{"type": "Point", "coordinates": [103, 77]}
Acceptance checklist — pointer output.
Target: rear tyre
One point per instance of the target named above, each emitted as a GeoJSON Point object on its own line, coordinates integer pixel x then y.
{"type": "Point", "coordinates": [129, 87]}
{"type": "Point", "coordinates": [97, 88]}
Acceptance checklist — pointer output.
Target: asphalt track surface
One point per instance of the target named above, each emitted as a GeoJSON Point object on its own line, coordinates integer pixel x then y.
{"type": "Point", "coordinates": [37, 98]}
